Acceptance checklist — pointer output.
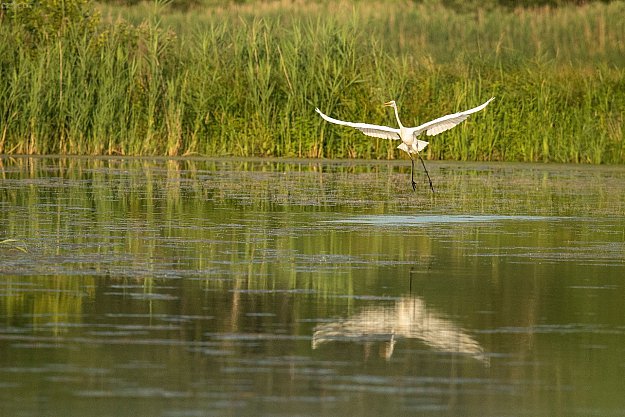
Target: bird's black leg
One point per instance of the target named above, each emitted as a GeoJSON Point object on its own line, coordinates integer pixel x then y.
{"type": "Point", "coordinates": [426, 173]}
{"type": "Point", "coordinates": [414, 184]}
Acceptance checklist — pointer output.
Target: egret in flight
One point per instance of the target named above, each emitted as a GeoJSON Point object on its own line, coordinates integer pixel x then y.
{"type": "Point", "coordinates": [408, 135]}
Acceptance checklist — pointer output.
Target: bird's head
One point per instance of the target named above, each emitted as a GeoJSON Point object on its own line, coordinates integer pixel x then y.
{"type": "Point", "coordinates": [390, 104]}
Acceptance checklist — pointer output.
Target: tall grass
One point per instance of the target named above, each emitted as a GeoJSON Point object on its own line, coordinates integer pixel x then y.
{"type": "Point", "coordinates": [244, 80]}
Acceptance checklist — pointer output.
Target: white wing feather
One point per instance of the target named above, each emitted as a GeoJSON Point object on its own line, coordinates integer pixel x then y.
{"type": "Point", "coordinates": [383, 132]}
{"type": "Point", "coordinates": [444, 123]}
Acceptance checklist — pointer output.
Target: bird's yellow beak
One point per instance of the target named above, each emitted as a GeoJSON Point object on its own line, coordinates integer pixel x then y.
{"type": "Point", "coordinates": [388, 103]}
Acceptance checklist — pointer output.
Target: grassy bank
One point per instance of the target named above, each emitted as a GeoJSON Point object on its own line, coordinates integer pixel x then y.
{"type": "Point", "coordinates": [244, 80]}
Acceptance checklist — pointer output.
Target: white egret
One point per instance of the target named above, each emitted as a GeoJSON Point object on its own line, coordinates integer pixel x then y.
{"type": "Point", "coordinates": [408, 135]}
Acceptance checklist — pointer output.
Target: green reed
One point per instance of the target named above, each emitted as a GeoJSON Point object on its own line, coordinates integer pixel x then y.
{"type": "Point", "coordinates": [244, 80]}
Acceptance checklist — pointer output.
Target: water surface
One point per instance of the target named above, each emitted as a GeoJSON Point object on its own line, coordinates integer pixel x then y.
{"type": "Point", "coordinates": [136, 287]}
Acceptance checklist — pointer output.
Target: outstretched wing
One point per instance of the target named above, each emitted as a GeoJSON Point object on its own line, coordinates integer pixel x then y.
{"type": "Point", "coordinates": [444, 123]}
{"type": "Point", "coordinates": [375, 131]}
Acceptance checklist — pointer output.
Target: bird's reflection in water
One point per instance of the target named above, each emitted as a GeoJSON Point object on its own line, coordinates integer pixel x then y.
{"type": "Point", "coordinates": [407, 318]}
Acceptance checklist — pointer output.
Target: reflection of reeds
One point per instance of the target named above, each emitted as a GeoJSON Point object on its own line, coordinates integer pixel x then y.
{"type": "Point", "coordinates": [13, 244]}
{"type": "Point", "coordinates": [258, 224]}
{"type": "Point", "coordinates": [44, 300]}
{"type": "Point", "coordinates": [261, 225]}
{"type": "Point", "coordinates": [407, 318]}
{"type": "Point", "coordinates": [244, 80]}
{"type": "Point", "coordinates": [207, 203]}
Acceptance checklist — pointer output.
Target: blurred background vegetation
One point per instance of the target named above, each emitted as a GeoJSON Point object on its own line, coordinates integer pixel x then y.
{"type": "Point", "coordinates": [455, 4]}
{"type": "Point", "coordinates": [202, 77]}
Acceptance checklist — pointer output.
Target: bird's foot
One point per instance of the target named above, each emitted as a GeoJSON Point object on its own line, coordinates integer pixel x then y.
{"type": "Point", "coordinates": [414, 186]}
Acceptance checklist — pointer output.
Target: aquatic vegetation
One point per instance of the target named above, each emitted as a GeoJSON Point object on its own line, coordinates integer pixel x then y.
{"type": "Point", "coordinates": [244, 80]}
{"type": "Point", "coordinates": [13, 244]}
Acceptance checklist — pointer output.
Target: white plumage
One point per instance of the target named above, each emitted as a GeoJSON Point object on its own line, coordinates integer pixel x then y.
{"type": "Point", "coordinates": [408, 135]}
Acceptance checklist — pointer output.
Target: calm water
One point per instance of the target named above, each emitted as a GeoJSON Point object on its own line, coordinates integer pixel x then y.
{"type": "Point", "coordinates": [276, 288]}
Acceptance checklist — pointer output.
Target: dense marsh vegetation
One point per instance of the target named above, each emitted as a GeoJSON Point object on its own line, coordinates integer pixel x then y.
{"type": "Point", "coordinates": [244, 79]}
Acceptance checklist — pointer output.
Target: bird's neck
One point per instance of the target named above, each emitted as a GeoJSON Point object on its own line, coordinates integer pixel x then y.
{"type": "Point", "coordinates": [397, 117]}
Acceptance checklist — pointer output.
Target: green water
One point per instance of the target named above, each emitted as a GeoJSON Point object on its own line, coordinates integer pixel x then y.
{"type": "Point", "coordinates": [135, 287]}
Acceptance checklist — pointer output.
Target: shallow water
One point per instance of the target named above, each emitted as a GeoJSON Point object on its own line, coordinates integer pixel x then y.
{"type": "Point", "coordinates": [135, 287]}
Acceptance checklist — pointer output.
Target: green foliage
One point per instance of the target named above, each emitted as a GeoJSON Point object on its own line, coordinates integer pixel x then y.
{"type": "Point", "coordinates": [513, 4]}
{"type": "Point", "coordinates": [37, 22]}
{"type": "Point", "coordinates": [244, 80]}
{"type": "Point", "coordinates": [174, 4]}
